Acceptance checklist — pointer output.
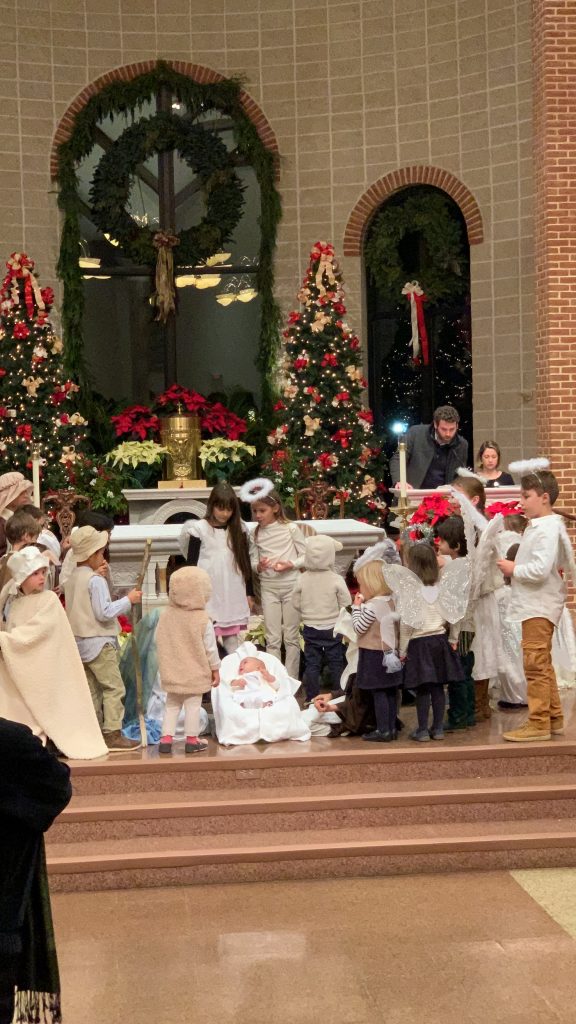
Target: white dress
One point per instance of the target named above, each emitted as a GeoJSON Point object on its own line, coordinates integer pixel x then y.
{"type": "Point", "coordinates": [228, 605]}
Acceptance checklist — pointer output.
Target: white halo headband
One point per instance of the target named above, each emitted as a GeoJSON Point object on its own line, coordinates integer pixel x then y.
{"type": "Point", "coordinates": [462, 471]}
{"type": "Point", "coordinates": [384, 551]}
{"type": "Point", "coordinates": [529, 467]}
{"type": "Point", "coordinates": [255, 490]}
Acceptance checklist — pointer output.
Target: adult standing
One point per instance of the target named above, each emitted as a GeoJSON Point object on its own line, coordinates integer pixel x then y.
{"type": "Point", "coordinates": [488, 460]}
{"type": "Point", "coordinates": [434, 451]}
{"type": "Point", "coordinates": [15, 490]}
{"type": "Point", "coordinates": [34, 789]}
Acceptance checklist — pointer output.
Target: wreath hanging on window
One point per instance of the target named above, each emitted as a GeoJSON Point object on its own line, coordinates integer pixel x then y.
{"type": "Point", "coordinates": [204, 152]}
{"type": "Point", "coordinates": [442, 270]}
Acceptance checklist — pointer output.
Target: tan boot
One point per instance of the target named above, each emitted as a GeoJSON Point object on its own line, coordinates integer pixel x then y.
{"type": "Point", "coordinates": [530, 732]}
{"type": "Point", "coordinates": [557, 726]}
{"type": "Point", "coordinates": [482, 709]}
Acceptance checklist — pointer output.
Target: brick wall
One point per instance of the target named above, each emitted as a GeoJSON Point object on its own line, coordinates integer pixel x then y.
{"type": "Point", "coordinates": [555, 236]}
{"type": "Point", "coordinates": [353, 91]}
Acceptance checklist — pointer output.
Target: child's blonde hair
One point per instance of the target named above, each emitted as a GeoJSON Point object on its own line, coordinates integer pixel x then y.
{"type": "Point", "coordinates": [371, 580]}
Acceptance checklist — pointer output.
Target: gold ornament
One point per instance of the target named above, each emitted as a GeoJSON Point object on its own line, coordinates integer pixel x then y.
{"type": "Point", "coordinates": [32, 384]}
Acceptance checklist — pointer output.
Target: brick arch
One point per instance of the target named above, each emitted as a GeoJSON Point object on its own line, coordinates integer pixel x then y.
{"type": "Point", "coordinates": [130, 71]}
{"type": "Point", "coordinates": [382, 189]}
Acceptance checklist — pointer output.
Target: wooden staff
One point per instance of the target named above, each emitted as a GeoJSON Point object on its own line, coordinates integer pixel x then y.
{"type": "Point", "coordinates": [565, 515]}
{"type": "Point", "coordinates": [136, 617]}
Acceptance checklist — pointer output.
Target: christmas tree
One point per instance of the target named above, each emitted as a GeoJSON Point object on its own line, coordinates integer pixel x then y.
{"type": "Point", "coordinates": [38, 403]}
{"type": "Point", "coordinates": [324, 432]}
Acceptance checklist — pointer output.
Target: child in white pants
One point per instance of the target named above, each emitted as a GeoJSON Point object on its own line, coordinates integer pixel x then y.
{"type": "Point", "coordinates": [187, 655]}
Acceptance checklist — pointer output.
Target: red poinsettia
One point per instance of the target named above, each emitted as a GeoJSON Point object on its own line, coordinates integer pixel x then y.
{"type": "Point", "coordinates": [367, 415]}
{"type": "Point", "coordinates": [20, 330]}
{"type": "Point", "coordinates": [175, 396]}
{"type": "Point", "coordinates": [505, 508]}
{"type": "Point", "coordinates": [342, 396]}
{"type": "Point", "coordinates": [294, 317]}
{"type": "Point", "coordinates": [24, 430]}
{"type": "Point", "coordinates": [279, 406]}
{"type": "Point", "coordinates": [326, 460]}
{"type": "Point", "coordinates": [354, 343]}
{"type": "Point", "coordinates": [300, 363]}
{"type": "Point", "coordinates": [137, 421]}
{"type": "Point", "coordinates": [433, 509]}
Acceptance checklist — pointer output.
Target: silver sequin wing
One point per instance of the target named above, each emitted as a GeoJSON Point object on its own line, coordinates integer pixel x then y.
{"type": "Point", "coordinates": [407, 590]}
{"type": "Point", "coordinates": [454, 589]}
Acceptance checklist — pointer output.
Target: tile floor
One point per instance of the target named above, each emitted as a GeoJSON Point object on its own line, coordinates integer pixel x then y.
{"type": "Point", "coordinates": [495, 948]}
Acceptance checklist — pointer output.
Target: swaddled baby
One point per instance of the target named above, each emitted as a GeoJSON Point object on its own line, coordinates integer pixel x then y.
{"type": "Point", "coordinates": [255, 687]}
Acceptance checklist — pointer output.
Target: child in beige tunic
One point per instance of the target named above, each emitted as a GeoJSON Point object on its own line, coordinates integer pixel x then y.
{"type": "Point", "coordinates": [187, 655]}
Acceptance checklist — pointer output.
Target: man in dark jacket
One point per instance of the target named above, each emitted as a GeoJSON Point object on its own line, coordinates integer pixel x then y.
{"type": "Point", "coordinates": [34, 789]}
{"type": "Point", "coordinates": [433, 451]}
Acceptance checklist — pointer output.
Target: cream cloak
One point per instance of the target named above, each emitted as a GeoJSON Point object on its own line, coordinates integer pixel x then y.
{"type": "Point", "coordinates": [42, 680]}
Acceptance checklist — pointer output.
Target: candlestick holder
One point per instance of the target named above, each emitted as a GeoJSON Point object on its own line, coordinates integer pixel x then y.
{"type": "Point", "coordinates": [403, 511]}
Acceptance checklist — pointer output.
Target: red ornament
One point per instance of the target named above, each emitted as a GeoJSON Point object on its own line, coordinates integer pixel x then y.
{"type": "Point", "coordinates": [24, 430]}
{"type": "Point", "coordinates": [342, 437]}
{"type": "Point", "coordinates": [47, 296]}
{"type": "Point", "coordinates": [279, 406]}
{"type": "Point", "coordinates": [329, 359]}
{"type": "Point", "coordinates": [294, 317]}
{"type": "Point", "coordinates": [301, 363]}
{"type": "Point", "coordinates": [342, 396]}
{"type": "Point", "coordinates": [367, 415]}
{"type": "Point", "coordinates": [354, 343]}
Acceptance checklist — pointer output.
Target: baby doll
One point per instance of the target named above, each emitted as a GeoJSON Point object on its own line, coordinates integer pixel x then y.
{"type": "Point", "coordinates": [255, 687]}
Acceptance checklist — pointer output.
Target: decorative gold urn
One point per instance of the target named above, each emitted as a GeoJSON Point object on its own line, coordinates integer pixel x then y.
{"type": "Point", "coordinates": [180, 434]}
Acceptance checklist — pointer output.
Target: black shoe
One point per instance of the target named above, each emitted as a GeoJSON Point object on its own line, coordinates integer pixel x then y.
{"type": "Point", "coordinates": [194, 747]}
{"type": "Point", "coordinates": [378, 737]}
{"type": "Point", "coordinates": [507, 705]}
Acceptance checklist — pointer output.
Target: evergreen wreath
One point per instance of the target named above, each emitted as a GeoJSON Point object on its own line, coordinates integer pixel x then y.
{"type": "Point", "coordinates": [205, 154]}
{"type": "Point", "coordinates": [442, 267]}
{"type": "Point", "coordinates": [123, 97]}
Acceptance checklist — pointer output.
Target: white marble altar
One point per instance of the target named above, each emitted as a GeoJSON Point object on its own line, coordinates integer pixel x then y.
{"type": "Point", "coordinates": [127, 546]}
{"type": "Point", "coordinates": [157, 505]}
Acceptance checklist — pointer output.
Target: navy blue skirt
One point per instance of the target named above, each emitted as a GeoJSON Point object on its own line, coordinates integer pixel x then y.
{"type": "Point", "coordinates": [430, 659]}
{"type": "Point", "coordinates": [371, 674]}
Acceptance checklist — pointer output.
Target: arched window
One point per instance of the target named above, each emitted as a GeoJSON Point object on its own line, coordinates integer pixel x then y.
{"type": "Point", "coordinates": [419, 233]}
{"type": "Point", "coordinates": [223, 334]}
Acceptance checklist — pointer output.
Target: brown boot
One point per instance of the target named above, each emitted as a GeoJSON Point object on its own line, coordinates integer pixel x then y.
{"type": "Point", "coordinates": [530, 732]}
{"type": "Point", "coordinates": [482, 709]}
{"type": "Point", "coordinates": [116, 741]}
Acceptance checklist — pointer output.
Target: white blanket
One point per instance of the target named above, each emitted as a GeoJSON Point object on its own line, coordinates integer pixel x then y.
{"type": "Point", "coordinates": [236, 725]}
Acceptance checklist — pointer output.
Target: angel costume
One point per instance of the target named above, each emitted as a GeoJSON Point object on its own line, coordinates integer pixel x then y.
{"type": "Point", "coordinates": [430, 660]}
{"type": "Point", "coordinates": [379, 668]}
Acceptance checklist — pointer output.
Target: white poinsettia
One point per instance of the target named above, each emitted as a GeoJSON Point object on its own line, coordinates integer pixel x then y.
{"type": "Point", "coordinates": [136, 453]}
{"type": "Point", "coordinates": [219, 449]}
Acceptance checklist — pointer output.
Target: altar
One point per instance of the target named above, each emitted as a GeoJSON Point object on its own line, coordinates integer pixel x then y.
{"type": "Point", "coordinates": [127, 546]}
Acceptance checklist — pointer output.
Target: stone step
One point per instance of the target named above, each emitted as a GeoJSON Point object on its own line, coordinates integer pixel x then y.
{"type": "Point", "coordinates": [303, 765]}
{"type": "Point", "coordinates": [322, 806]}
{"type": "Point", "coordinates": [379, 850]}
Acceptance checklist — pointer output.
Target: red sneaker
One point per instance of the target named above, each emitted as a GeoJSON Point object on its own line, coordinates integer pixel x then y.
{"type": "Point", "coordinates": [194, 746]}
{"type": "Point", "coordinates": [165, 745]}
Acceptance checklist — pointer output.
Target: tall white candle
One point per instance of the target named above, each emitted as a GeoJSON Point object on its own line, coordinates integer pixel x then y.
{"type": "Point", "coordinates": [402, 451]}
{"type": "Point", "coordinates": [36, 476]}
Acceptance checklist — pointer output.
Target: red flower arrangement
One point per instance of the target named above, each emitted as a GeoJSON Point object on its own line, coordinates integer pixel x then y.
{"type": "Point", "coordinates": [432, 510]}
{"type": "Point", "coordinates": [137, 422]}
{"type": "Point", "coordinates": [20, 330]}
{"type": "Point", "coordinates": [176, 395]}
{"type": "Point", "coordinates": [505, 508]}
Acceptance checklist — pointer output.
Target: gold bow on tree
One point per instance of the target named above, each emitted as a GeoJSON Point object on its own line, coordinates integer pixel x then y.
{"type": "Point", "coordinates": [165, 295]}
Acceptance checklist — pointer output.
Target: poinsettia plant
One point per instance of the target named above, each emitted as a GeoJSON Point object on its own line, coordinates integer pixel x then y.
{"type": "Point", "coordinates": [431, 511]}
{"type": "Point", "coordinates": [141, 423]}
{"type": "Point", "coordinates": [505, 508]}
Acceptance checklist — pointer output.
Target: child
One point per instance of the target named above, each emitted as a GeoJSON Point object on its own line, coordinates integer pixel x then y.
{"type": "Point", "coordinates": [461, 694]}
{"type": "Point", "coordinates": [187, 655]}
{"type": "Point", "coordinates": [489, 657]}
{"type": "Point", "coordinates": [21, 530]}
{"type": "Point", "coordinates": [42, 681]}
{"type": "Point", "coordinates": [86, 517]}
{"type": "Point", "coordinates": [276, 553]}
{"type": "Point", "coordinates": [379, 668]}
{"type": "Point", "coordinates": [255, 687]}
{"type": "Point", "coordinates": [538, 596]}
{"type": "Point", "coordinates": [15, 491]}
{"type": "Point", "coordinates": [93, 617]}
{"type": "Point", "coordinates": [426, 602]}
{"type": "Point", "coordinates": [219, 545]}
{"type": "Point", "coordinates": [318, 595]}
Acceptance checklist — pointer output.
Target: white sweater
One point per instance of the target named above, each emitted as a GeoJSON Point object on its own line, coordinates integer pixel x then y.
{"type": "Point", "coordinates": [281, 542]}
{"type": "Point", "coordinates": [538, 590]}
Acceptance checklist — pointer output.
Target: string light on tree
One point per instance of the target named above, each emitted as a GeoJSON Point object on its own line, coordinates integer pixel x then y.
{"type": "Point", "coordinates": [38, 404]}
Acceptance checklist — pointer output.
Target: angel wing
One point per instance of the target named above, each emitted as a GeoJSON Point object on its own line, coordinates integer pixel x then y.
{"type": "Point", "coordinates": [474, 523]}
{"type": "Point", "coordinates": [454, 589]}
{"type": "Point", "coordinates": [407, 590]}
{"type": "Point", "coordinates": [485, 554]}
{"type": "Point", "coordinates": [567, 553]}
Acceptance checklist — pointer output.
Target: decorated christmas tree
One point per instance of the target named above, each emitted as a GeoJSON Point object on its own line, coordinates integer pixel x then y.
{"type": "Point", "coordinates": [324, 432]}
{"type": "Point", "coordinates": [38, 403]}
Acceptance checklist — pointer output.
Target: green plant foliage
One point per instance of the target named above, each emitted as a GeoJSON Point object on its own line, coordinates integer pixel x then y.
{"type": "Point", "coordinates": [203, 151]}
{"type": "Point", "coordinates": [126, 98]}
{"type": "Point", "coordinates": [442, 271]}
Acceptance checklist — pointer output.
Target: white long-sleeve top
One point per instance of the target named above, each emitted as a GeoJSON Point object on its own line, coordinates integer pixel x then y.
{"type": "Point", "coordinates": [434, 625]}
{"type": "Point", "coordinates": [281, 542]}
{"type": "Point", "coordinates": [538, 590]}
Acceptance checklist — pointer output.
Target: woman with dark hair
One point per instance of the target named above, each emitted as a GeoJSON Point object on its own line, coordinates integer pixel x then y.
{"type": "Point", "coordinates": [219, 544]}
{"type": "Point", "coordinates": [34, 789]}
{"type": "Point", "coordinates": [488, 459]}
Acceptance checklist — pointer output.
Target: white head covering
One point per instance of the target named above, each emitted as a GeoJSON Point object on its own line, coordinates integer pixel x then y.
{"type": "Point", "coordinates": [11, 486]}
{"type": "Point", "coordinates": [26, 561]}
{"type": "Point", "coordinates": [47, 539]}
{"type": "Point", "coordinates": [86, 541]}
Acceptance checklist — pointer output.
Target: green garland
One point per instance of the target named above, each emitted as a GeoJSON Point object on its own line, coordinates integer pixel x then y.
{"type": "Point", "coordinates": [442, 265]}
{"type": "Point", "coordinates": [203, 151]}
{"type": "Point", "coordinates": [127, 97]}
